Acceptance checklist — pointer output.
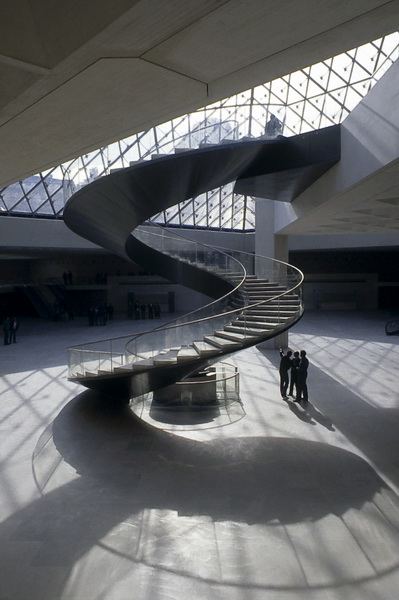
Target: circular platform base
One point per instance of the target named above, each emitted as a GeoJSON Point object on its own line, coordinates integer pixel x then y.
{"type": "Point", "coordinates": [210, 398]}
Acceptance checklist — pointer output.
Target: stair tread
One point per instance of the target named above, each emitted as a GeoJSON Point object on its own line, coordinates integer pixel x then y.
{"type": "Point", "coordinates": [255, 324]}
{"type": "Point", "coordinates": [166, 357]}
{"type": "Point", "coordinates": [248, 331]}
{"type": "Point", "coordinates": [122, 368]}
{"type": "Point", "coordinates": [77, 375]}
{"type": "Point", "coordinates": [275, 310]}
{"type": "Point", "coordinates": [135, 365]}
{"type": "Point", "coordinates": [266, 316]}
{"type": "Point", "coordinates": [203, 347]}
{"type": "Point", "coordinates": [147, 362]}
{"type": "Point", "coordinates": [269, 294]}
{"type": "Point", "coordinates": [187, 353]}
{"type": "Point", "coordinates": [230, 335]}
{"type": "Point", "coordinates": [276, 304]}
{"type": "Point", "coordinates": [220, 342]}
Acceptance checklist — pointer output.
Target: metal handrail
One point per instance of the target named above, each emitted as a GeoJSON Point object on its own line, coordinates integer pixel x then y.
{"type": "Point", "coordinates": [126, 353]}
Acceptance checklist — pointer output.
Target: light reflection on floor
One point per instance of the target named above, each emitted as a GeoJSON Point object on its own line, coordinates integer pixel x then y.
{"type": "Point", "coordinates": [287, 501]}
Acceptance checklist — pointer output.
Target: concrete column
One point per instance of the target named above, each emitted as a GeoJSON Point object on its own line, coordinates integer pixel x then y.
{"type": "Point", "coordinates": [281, 247]}
{"type": "Point", "coordinates": [264, 232]}
{"type": "Point", "coordinates": [270, 245]}
{"type": "Point", "coordinates": [281, 253]}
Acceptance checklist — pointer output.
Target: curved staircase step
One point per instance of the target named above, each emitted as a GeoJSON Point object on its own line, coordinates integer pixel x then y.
{"type": "Point", "coordinates": [205, 348]}
{"type": "Point", "coordinates": [237, 336]}
{"type": "Point", "coordinates": [166, 358]}
{"type": "Point", "coordinates": [187, 353]}
{"type": "Point", "coordinates": [221, 342]}
{"type": "Point", "coordinates": [254, 328]}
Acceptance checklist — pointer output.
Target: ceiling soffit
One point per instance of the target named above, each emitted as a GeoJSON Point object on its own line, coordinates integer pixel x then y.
{"type": "Point", "coordinates": [85, 74]}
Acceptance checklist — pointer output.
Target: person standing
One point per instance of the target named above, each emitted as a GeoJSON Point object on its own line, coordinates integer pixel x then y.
{"type": "Point", "coordinates": [14, 326]}
{"type": "Point", "coordinates": [143, 309]}
{"type": "Point", "coordinates": [285, 366]}
{"type": "Point", "coordinates": [274, 127]}
{"type": "Point", "coordinates": [137, 310]}
{"type": "Point", "coordinates": [302, 387]}
{"type": "Point", "coordinates": [294, 373]}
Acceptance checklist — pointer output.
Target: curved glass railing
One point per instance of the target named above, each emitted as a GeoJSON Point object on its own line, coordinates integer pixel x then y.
{"type": "Point", "coordinates": [236, 306]}
{"type": "Point", "coordinates": [106, 355]}
{"type": "Point", "coordinates": [216, 261]}
{"type": "Point", "coordinates": [215, 316]}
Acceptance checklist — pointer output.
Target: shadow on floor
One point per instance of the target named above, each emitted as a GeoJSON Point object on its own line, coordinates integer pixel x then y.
{"type": "Point", "coordinates": [125, 470]}
{"type": "Point", "coordinates": [374, 431]}
{"type": "Point", "coordinates": [254, 479]}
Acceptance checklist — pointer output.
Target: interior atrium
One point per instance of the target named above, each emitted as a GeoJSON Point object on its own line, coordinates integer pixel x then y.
{"type": "Point", "coordinates": [189, 190]}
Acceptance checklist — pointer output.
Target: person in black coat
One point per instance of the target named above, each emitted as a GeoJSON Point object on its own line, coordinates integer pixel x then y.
{"type": "Point", "coordinates": [285, 366]}
{"type": "Point", "coordinates": [14, 326]}
{"type": "Point", "coordinates": [302, 387]}
{"type": "Point", "coordinates": [294, 373]}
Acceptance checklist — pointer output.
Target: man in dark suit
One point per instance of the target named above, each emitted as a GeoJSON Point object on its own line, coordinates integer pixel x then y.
{"type": "Point", "coordinates": [285, 366]}
{"type": "Point", "coordinates": [301, 387]}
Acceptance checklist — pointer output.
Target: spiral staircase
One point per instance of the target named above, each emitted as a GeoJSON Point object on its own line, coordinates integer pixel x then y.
{"type": "Point", "coordinates": [254, 298]}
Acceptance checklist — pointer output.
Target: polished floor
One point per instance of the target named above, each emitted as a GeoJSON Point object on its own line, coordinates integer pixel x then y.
{"type": "Point", "coordinates": [258, 500]}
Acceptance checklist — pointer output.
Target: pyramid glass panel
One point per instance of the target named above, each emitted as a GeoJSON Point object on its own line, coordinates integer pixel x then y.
{"type": "Point", "coordinates": [45, 209]}
{"type": "Point", "coordinates": [22, 207]}
{"type": "Point", "coordinates": [316, 96]}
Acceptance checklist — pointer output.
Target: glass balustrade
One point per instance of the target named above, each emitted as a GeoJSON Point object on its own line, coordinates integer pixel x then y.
{"type": "Point", "coordinates": [259, 286]}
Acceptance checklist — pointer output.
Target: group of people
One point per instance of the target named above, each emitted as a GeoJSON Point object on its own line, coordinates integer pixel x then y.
{"type": "Point", "coordinates": [294, 373]}
{"type": "Point", "coordinates": [141, 310]}
{"type": "Point", "coordinates": [99, 315]}
{"type": "Point", "coordinates": [10, 328]}
{"type": "Point", "coordinates": [67, 277]}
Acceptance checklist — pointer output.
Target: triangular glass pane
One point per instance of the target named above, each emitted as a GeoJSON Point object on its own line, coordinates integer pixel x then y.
{"type": "Point", "coordinates": [327, 120]}
{"type": "Point", "coordinates": [12, 194]}
{"type": "Point", "coordinates": [359, 73]}
{"type": "Point", "coordinates": [361, 88]}
{"type": "Point", "coordinates": [320, 73]}
{"type": "Point", "coordinates": [278, 91]}
{"type": "Point", "coordinates": [351, 98]}
{"type": "Point", "coordinates": [22, 206]}
{"type": "Point", "coordinates": [57, 200]}
{"type": "Point", "coordinates": [331, 106]}
{"type": "Point", "coordinates": [311, 113]}
{"type": "Point", "coordinates": [298, 80]}
{"type": "Point", "coordinates": [334, 82]}
{"type": "Point", "coordinates": [45, 209]}
{"type": "Point", "coordinates": [294, 96]}
{"type": "Point", "coordinates": [314, 89]}
{"type": "Point", "coordinates": [37, 196]}
{"type": "Point", "coordinates": [261, 94]}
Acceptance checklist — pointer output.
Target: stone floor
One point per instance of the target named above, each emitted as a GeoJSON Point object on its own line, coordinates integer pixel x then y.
{"type": "Point", "coordinates": [261, 500]}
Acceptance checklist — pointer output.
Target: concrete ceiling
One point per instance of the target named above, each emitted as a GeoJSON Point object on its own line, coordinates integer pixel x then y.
{"type": "Point", "coordinates": [76, 76]}
{"type": "Point", "coordinates": [360, 194]}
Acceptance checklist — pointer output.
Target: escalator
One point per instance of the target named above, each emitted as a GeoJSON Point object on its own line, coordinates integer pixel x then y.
{"type": "Point", "coordinates": [38, 300]}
